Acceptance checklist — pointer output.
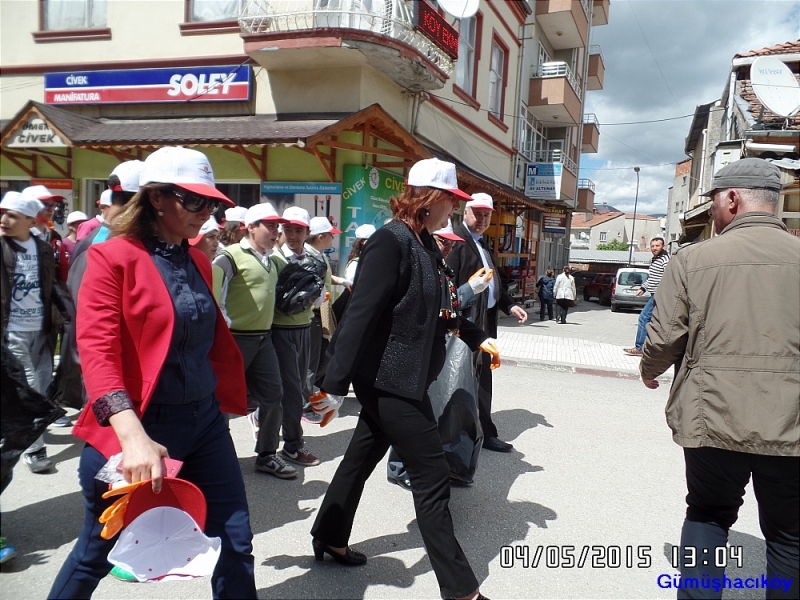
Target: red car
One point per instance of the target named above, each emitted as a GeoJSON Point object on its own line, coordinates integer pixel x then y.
{"type": "Point", "coordinates": [599, 287]}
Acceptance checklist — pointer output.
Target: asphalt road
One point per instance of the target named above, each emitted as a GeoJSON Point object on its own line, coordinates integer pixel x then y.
{"type": "Point", "coordinates": [593, 467]}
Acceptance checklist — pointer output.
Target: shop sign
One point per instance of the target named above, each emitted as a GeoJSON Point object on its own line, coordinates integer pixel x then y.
{"type": "Point", "coordinates": [436, 27]}
{"type": "Point", "coordinates": [365, 199]}
{"type": "Point", "coordinates": [555, 221]}
{"type": "Point", "coordinates": [35, 133]}
{"type": "Point", "coordinates": [198, 84]}
{"type": "Point", "coordinates": [543, 181]}
{"type": "Point", "coordinates": [320, 199]}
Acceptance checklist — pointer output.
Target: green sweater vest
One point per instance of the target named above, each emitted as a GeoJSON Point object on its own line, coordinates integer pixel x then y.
{"type": "Point", "coordinates": [250, 303]}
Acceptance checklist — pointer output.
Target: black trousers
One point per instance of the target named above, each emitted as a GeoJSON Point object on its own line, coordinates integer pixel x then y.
{"type": "Point", "coordinates": [410, 427]}
{"type": "Point", "coordinates": [563, 308]}
{"type": "Point", "coordinates": [483, 369]}
{"type": "Point", "coordinates": [716, 481]}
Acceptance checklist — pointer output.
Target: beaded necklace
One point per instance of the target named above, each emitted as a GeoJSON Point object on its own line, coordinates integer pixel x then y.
{"type": "Point", "coordinates": [449, 309]}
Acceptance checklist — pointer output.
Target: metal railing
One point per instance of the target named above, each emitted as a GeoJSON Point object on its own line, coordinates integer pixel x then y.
{"type": "Point", "coordinates": [585, 184]}
{"type": "Point", "coordinates": [391, 18]}
{"type": "Point", "coordinates": [597, 49]}
{"type": "Point", "coordinates": [555, 156]}
{"type": "Point", "coordinates": [557, 69]}
{"type": "Point", "coordinates": [587, 10]}
{"type": "Point", "coordinates": [590, 119]}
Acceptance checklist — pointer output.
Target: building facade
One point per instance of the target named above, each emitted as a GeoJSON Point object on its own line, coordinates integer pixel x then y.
{"type": "Point", "coordinates": [321, 103]}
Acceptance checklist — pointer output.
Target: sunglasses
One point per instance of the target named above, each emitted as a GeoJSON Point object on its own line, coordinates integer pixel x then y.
{"type": "Point", "coordinates": [444, 241]}
{"type": "Point", "coordinates": [194, 203]}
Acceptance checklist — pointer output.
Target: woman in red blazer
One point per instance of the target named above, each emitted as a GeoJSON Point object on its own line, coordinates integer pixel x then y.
{"type": "Point", "coordinates": [160, 368]}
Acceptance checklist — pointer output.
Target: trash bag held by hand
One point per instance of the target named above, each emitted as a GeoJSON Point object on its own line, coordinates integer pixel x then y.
{"type": "Point", "coordinates": [300, 284]}
{"type": "Point", "coordinates": [25, 414]}
{"type": "Point", "coordinates": [454, 398]}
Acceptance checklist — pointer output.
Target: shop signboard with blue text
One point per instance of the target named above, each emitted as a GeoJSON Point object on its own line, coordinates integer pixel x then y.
{"type": "Point", "coordinates": [320, 199]}
{"type": "Point", "coordinates": [543, 181]}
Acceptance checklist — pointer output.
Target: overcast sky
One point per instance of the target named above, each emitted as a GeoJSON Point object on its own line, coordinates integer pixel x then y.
{"type": "Point", "coordinates": [662, 59]}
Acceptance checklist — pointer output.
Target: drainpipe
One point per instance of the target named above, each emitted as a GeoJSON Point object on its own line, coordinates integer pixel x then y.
{"type": "Point", "coordinates": [702, 163]}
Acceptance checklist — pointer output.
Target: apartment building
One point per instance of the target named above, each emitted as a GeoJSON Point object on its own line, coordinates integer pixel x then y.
{"type": "Point", "coordinates": [738, 125]}
{"type": "Point", "coordinates": [320, 103]}
{"type": "Point", "coordinates": [677, 202]}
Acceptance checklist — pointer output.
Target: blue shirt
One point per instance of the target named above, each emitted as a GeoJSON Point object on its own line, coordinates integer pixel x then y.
{"type": "Point", "coordinates": [187, 375]}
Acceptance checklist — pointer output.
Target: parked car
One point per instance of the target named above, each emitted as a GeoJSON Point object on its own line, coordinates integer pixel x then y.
{"type": "Point", "coordinates": [627, 282]}
{"type": "Point", "coordinates": [599, 287]}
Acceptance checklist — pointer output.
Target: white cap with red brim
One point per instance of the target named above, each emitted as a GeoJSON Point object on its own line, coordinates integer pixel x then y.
{"type": "Point", "coordinates": [294, 215]}
{"type": "Point", "coordinates": [208, 227]}
{"type": "Point", "coordinates": [262, 212]}
{"type": "Point", "coordinates": [447, 233]}
{"type": "Point", "coordinates": [41, 193]}
{"type": "Point", "coordinates": [320, 225]}
{"type": "Point", "coordinates": [436, 173]}
{"type": "Point", "coordinates": [165, 543]}
{"type": "Point", "coordinates": [480, 200]}
{"type": "Point", "coordinates": [185, 168]}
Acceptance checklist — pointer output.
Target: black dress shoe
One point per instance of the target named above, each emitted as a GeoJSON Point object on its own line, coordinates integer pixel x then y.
{"type": "Point", "coordinates": [403, 482]}
{"type": "Point", "coordinates": [497, 445]}
{"type": "Point", "coordinates": [351, 557]}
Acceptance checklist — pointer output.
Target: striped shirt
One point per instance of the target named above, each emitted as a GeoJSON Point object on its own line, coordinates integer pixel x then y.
{"type": "Point", "coordinates": [657, 266]}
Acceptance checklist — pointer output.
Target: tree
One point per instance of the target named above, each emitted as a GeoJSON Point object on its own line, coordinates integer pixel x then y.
{"type": "Point", "coordinates": [613, 245]}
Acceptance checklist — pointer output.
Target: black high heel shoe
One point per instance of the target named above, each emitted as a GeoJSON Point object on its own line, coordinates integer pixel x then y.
{"type": "Point", "coordinates": [351, 558]}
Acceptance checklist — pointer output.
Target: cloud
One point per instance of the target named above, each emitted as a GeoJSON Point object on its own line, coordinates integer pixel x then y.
{"type": "Point", "coordinates": [662, 59]}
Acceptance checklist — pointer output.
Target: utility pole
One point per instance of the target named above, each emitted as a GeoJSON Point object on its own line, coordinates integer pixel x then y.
{"type": "Point", "coordinates": [633, 227]}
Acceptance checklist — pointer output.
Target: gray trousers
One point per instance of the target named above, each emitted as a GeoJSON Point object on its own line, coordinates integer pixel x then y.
{"type": "Point", "coordinates": [263, 375]}
{"type": "Point", "coordinates": [292, 345]}
{"type": "Point", "coordinates": [34, 350]}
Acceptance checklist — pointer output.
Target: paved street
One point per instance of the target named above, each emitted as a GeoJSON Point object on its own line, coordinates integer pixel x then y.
{"type": "Point", "coordinates": [593, 466]}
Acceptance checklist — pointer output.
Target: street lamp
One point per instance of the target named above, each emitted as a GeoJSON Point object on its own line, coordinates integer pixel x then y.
{"type": "Point", "coordinates": [633, 227]}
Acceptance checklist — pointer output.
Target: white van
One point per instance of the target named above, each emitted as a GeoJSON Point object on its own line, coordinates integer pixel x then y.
{"type": "Point", "coordinates": [628, 281]}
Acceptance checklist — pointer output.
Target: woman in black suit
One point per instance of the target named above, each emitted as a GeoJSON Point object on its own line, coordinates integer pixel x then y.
{"type": "Point", "coordinates": [391, 345]}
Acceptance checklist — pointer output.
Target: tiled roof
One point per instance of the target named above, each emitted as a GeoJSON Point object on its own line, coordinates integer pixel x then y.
{"type": "Point", "coordinates": [769, 119]}
{"type": "Point", "coordinates": [787, 48]}
{"type": "Point", "coordinates": [587, 221]}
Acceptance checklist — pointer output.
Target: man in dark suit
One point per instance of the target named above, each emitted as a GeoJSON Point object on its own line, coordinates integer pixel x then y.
{"type": "Point", "coordinates": [465, 259]}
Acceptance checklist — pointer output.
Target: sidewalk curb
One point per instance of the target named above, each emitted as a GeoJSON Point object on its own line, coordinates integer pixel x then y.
{"type": "Point", "coordinates": [578, 369]}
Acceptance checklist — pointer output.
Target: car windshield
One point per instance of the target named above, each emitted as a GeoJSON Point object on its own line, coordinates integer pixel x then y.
{"type": "Point", "coordinates": [632, 278]}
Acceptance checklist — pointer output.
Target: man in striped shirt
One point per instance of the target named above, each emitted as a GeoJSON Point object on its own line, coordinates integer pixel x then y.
{"type": "Point", "coordinates": [657, 265]}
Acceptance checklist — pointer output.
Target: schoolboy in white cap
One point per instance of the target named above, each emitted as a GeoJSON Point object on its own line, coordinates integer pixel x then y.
{"type": "Point", "coordinates": [291, 335]}
{"type": "Point", "coordinates": [29, 290]}
{"type": "Point", "coordinates": [247, 300]}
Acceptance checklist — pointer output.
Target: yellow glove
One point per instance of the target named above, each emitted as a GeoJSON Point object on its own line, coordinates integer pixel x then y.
{"type": "Point", "coordinates": [490, 348]}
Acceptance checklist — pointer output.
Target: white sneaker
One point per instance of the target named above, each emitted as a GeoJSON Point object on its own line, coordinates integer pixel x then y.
{"type": "Point", "coordinates": [252, 418]}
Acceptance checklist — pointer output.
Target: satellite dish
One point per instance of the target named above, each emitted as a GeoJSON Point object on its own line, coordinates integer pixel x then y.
{"type": "Point", "coordinates": [775, 86]}
{"type": "Point", "coordinates": [460, 9]}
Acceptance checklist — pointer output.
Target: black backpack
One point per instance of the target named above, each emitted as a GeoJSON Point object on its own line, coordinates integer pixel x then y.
{"type": "Point", "coordinates": [300, 284]}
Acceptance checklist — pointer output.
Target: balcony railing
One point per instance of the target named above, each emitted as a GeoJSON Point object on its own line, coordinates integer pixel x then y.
{"type": "Point", "coordinates": [549, 70]}
{"type": "Point", "coordinates": [587, 9]}
{"type": "Point", "coordinates": [585, 184]}
{"type": "Point", "coordinates": [555, 156]}
{"type": "Point", "coordinates": [393, 18]}
{"type": "Point", "coordinates": [590, 119]}
{"type": "Point", "coordinates": [597, 49]}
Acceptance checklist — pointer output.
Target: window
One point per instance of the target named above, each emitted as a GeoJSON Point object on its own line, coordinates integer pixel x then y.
{"type": "Point", "coordinates": [497, 79]}
{"type": "Point", "coordinates": [603, 236]}
{"type": "Point", "coordinates": [58, 15]}
{"type": "Point", "coordinates": [544, 55]}
{"type": "Point", "coordinates": [468, 54]}
{"type": "Point", "coordinates": [214, 10]}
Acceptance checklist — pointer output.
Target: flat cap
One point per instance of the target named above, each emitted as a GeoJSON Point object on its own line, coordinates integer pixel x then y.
{"type": "Point", "coordinates": [747, 173]}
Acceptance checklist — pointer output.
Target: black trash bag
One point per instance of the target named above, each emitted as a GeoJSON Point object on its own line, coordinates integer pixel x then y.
{"type": "Point", "coordinates": [24, 414]}
{"type": "Point", "coordinates": [454, 398]}
{"type": "Point", "coordinates": [300, 284]}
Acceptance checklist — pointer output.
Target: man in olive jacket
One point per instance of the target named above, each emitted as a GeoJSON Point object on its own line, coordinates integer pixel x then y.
{"type": "Point", "coordinates": [727, 313]}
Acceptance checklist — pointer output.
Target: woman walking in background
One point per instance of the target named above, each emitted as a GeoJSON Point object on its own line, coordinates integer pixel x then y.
{"type": "Point", "coordinates": [565, 294]}
{"type": "Point", "coordinates": [545, 289]}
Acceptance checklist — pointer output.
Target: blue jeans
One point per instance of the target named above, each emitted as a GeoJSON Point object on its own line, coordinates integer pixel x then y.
{"type": "Point", "coordinates": [644, 319]}
{"type": "Point", "coordinates": [197, 434]}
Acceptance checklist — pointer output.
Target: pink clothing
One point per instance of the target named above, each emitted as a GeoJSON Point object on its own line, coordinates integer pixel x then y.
{"type": "Point", "coordinates": [88, 227]}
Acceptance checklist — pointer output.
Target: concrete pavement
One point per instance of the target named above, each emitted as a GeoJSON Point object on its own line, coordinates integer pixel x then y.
{"type": "Point", "coordinates": [593, 467]}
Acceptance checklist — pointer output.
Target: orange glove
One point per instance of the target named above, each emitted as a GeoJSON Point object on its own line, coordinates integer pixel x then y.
{"type": "Point", "coordinates": [490, 348]}
{"type": "Point", "coordinates": [326, 405]}
{"type": "Point", "coordinates": [113, 517]}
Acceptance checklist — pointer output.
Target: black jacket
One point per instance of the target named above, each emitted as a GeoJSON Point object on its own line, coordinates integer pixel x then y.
{"type": "Point", "coordinates": [386, 334]}
{"type": "Point", "coordinates": [465, 260]}
{"type": "Point", "coordinates": [52, 294]}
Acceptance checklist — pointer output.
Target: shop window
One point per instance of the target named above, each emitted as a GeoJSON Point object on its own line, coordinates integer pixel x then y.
{"type": "Point", "coordinates": [469, 41]}
{"type": "Point", "coordinates": [214, 10]}
{"type": "Point", "coordinates": [73, 14]}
